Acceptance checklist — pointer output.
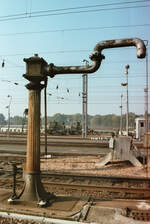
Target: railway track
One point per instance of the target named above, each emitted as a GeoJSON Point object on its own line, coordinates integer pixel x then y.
{"type": "Point", "coordinates": [85, 186]}
{"type": "Point", "coordinates": [97, 187]}
{"type": "Point", "coordinates": [92, 187]}
{"type": "Point", "coordinates": [68, 142]}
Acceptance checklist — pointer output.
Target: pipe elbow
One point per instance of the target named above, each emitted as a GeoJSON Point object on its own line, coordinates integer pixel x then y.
{"type": "Point", "coordinates": [141, 48]}
{"type": "Point", "coordinates": [138, 43]}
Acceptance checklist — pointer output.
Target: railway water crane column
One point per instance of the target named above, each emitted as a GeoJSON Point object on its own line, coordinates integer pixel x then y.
{"type": "Point", "coordinates": [37, 70]}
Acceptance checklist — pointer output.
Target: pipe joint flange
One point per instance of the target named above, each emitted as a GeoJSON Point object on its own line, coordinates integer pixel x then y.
{"type": "Point", "coordinates": [97, 56]}
{"type": "Point", "coordinates": [51, 72]}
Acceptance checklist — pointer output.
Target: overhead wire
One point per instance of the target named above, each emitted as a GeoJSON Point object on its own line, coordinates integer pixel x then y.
{"type": "Point", "coordinates": [73, 29]}
{"type": "Point", "coordinates": [72, 8]}
{"type": "Point", "coordinates": [56, 12]}
{"type": "Point", "coordinates": [64, 51]}
{"type": "Point", "coordinates": [90, 77]}
{"type": "Point", "coordinates": [77, 12]}
{"type": "Point", "coordinates": [92, 6]}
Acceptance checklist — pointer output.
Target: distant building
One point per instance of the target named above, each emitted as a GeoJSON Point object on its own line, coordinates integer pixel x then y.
{"type": "Point", "coordinates": [140, 127]}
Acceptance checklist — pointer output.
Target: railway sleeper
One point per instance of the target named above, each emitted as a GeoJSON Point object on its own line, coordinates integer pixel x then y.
{"type": "Point", "coordinates": [140, 215]}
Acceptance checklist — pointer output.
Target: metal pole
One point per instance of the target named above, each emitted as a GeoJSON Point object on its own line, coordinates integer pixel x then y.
{"type": "Point", "coordinates": [83, 131]}
{"type": "Point", "coordinates": [121, 116]}
{"type": "Point", "coordinates": [45, 107]}
{"type": "Point", "coordinates": [22, 122]}
{"type": "Point", "coordinates": [127, 114]}
{"type": "Point", "coordinates": [84, 103]}
{"type": "Point", "coordinates": [8, 120]}
{"type": "Point", "coordinates": [86, 118]}
{"type": "Point", "coordinates": [9, 115]}
{"type": "Point", "coordinates": [84, 107]}
{"type": "Point", "coordinates": [146, 110]}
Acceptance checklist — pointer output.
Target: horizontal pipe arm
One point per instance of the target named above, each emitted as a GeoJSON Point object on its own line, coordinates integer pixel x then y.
{"type": "Point", "coordinates": [51, 70]}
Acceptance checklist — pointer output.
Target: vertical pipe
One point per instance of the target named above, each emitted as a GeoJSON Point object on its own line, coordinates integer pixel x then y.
{"type": "Point", "coordinates": [33, 139]}
{"type": "Point", "coordinates": [33, 188]}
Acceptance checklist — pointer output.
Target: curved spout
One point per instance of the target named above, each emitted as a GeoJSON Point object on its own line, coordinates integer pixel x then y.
{"type": "Point", "coordinates": [138, 43]}
{"type": "Point", "coordinates": [97, 57]}
{"type": "Point", "coordinates": [52, 70]}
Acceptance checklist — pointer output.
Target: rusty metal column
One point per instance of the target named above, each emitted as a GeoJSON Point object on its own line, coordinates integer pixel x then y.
{"type": "Point", "coordinates": [33, 138]}
{"type": "Point", "coordinates": [33, 189]}
{"type": "Point", "coordinates": [33, 186]}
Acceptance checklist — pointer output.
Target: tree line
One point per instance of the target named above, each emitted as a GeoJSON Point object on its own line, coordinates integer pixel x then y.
{"type": "Point", "coordinates": [109, 121]}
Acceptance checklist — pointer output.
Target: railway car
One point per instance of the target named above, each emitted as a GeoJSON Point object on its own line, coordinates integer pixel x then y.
{"type": "Point", "coordinates": [13, 129]}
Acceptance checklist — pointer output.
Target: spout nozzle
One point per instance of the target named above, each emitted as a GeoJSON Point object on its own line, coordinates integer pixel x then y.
{"type": "Point", "coordinates": [141, 48]}
{"type": "Point", "coordinates": [141, 52]}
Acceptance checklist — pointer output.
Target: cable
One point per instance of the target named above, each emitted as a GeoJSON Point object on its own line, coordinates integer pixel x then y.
{"type": "Point", "coordinates": [73, 8]}
{"type": "Point", "coordinates": [30, 15]}
{"type": "Point", "coordinates": [85, 11]}
{"type": "Point", "coordinates": [63, 51]}
{"type": "Point", "coordinates": [103, 76]}
{"type": "Point", "coordinates": [90, 103]}
{"type": "Point", "coordinates": [74, 29]}
{"type": "Point", "coordinates": [90, 77]}
{"type": "Point", "coordinates": [91, 6]}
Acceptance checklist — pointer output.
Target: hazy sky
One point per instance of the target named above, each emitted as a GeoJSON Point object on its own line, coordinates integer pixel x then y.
{"type": "Point", "coordinates": [66, 37]}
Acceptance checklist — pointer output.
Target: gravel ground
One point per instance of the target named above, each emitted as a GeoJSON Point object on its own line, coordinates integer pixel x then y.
{"type": "Point", "coordinates": [81, 165]}
{"type": "Point", "coordinates": [86, 165]}
{"type": "Point", "coordinates": [16, 221]}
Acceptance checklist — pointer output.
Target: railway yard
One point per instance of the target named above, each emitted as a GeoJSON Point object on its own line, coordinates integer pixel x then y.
{"type": "Point", "coordinates": [82, 192]}
{"type": "Point", "coordinates": [59, 165]}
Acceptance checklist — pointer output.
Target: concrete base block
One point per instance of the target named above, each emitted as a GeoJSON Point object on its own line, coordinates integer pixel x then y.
{"type": "Point", "coordinates": [123, 151]}
{"type": "Point", "coordinates": [134, 160]}
{"type": "Point", "coordinates": [105, 160]}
